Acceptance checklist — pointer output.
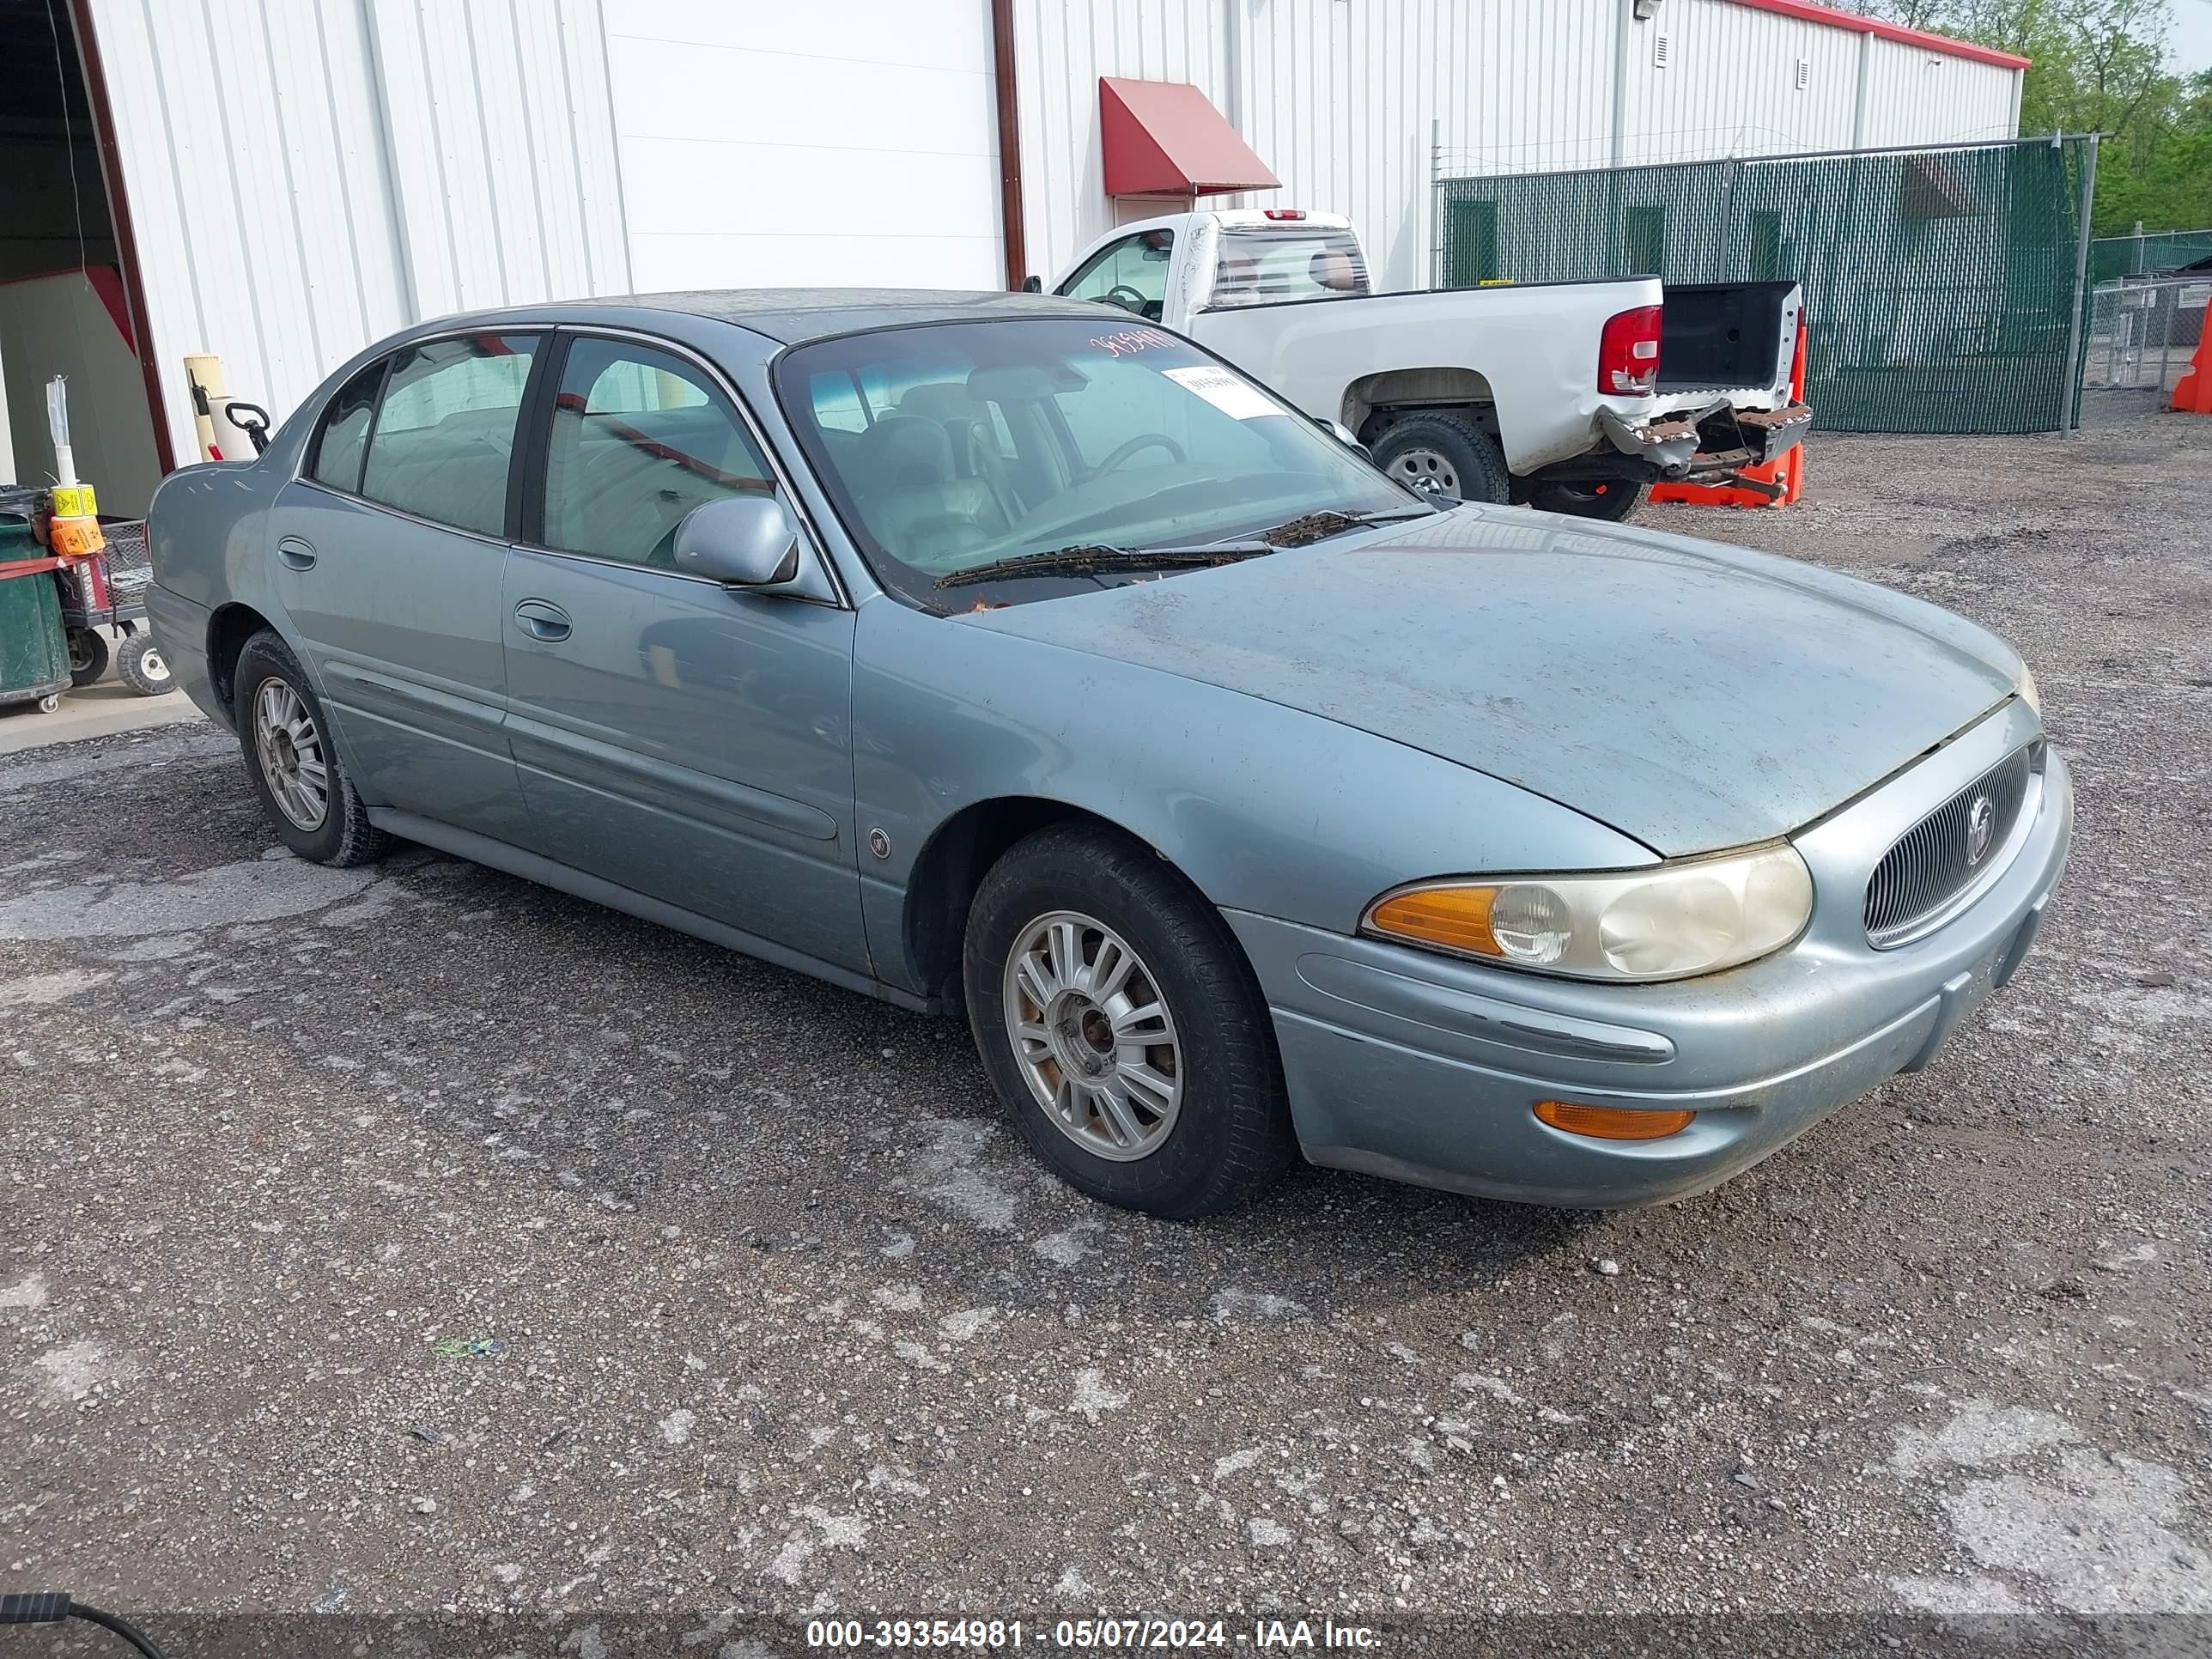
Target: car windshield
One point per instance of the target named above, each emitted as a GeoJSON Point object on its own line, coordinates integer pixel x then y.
{"type": "Point", "coordinates": [948, 447]}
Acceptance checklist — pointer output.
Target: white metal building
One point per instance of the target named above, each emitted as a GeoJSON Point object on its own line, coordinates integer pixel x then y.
{"type": "Point", "coordinates": [282, 184]}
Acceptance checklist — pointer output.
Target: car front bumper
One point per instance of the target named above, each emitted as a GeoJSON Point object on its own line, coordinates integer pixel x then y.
{"type": "Point", "coordinates": [1425, 1068]}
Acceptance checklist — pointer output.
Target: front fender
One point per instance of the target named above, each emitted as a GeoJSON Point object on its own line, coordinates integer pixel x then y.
{"type": "Point", "coordinates": [1266, 809]}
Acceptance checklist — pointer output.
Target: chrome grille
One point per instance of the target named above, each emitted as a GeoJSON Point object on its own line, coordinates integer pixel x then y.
{"type": "Point", "coordinates": [1929, 863]}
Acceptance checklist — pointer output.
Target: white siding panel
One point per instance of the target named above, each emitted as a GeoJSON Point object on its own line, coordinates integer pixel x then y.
{"type": "Point", "coordinates": [852, 142]}
{"type": "Point", "coordinates": [1353, 103]}
{"type": "Point", "coordinates": [1919, 97]}
{"type": "Point", "coordinates": [304, 176]}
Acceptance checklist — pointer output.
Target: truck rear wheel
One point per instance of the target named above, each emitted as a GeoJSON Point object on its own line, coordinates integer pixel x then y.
{"type": "Point", "coordinates": [1444, 454]}
{"type": "Point", "coordinates": [1610, 499]}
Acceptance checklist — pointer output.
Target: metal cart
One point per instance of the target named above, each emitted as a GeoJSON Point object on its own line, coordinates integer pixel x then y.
{"type": "Point", "coordinates": [108, 590]}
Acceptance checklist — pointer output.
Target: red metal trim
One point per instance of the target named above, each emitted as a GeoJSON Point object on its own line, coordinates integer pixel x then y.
{"type": "Point", "coordinates": [1805, 11]}
{"type": "Point", "coordinates": [107, 282]}
{"type": "Point", "coordinates": [139, 332]}
{"type": "Point", "coordinates": [1010, 143]}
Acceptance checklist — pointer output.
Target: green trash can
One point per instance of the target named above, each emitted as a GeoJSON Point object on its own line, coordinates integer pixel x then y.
{"type": "Point", "coordinates": [34, 649]}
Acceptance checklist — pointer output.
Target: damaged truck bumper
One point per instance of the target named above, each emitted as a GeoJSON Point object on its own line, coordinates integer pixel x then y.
{"type": "Point", "coordinates": [1712, 445]}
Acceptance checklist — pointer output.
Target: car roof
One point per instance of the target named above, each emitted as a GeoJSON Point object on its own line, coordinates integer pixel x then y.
{"type": "Point", "coordinates": [794, 315]}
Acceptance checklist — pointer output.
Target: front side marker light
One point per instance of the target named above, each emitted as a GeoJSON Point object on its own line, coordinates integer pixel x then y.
{"type": "Point", "coordinates": [1613, 1122]}
{"type": "Point", "coordinates": [1456, 918]}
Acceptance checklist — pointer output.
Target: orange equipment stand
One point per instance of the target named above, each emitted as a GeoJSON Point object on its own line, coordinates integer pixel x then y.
{"type": "Point", "coordinates": [1788, 471]}
{"type": "Point", "coordinates": [2193, 396]}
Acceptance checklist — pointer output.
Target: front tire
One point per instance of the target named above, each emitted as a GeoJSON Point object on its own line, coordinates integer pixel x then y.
{"type": "Point", "coordinates": [293, 761]}
{"type": "Point", "coordinates": [1123, 1028]}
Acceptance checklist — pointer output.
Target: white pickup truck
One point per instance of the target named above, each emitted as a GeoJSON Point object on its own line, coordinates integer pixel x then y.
{"type": "Point", "coordinates": [1572, 396]}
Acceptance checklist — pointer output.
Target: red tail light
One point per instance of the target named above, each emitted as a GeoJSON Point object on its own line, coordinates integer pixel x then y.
{"type": "Point", "coordinates": [1285, 213]}
{"type": "Point", "coordinates": [1628, 354]}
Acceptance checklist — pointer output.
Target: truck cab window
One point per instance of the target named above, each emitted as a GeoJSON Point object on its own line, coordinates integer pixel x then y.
{"type": "Point", "coordinates": [1131, 273]}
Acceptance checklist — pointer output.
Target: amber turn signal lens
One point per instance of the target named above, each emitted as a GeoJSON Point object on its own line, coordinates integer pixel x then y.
{"type": "Point", "coordinates": [1612, 1122]}
{"type": "Point", "coordinates": [1457, 918]}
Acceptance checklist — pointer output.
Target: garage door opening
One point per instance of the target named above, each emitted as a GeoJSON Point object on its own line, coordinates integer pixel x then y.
{"type": "Point", "coordinates": [62, 305]}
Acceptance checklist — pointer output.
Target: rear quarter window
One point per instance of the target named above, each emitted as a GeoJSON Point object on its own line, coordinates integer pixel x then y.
{"type": "Point", "coordinates": [342, 438]}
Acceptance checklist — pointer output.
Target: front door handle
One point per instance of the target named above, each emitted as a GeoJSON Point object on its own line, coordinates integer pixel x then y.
{"type": "Point", "coordinates": [296, 553]}
{"type": "Point", "coordinates": [542, 620]}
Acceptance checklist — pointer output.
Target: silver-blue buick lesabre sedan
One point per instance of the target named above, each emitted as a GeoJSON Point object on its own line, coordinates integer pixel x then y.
{"type": "Point", "coordinates": [984, 653]}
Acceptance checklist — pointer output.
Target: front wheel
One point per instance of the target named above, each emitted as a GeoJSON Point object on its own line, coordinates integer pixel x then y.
{"type": "Point", "coordinates": [1610, 499]}
{"type": "Point", "coordinates": [1121, 1027]}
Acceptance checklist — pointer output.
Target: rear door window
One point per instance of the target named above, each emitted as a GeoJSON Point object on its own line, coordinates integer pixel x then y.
{"type": "Point", "coordinates": [443, 435]}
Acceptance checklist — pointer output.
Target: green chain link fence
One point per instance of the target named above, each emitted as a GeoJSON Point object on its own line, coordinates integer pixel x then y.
{"type": "Point", "coordinates": [2159, 251]}
{"type": "Point", "coordinates": [1942, 286]}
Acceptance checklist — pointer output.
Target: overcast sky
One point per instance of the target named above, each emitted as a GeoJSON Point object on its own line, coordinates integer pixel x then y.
{"type": "Point", "coordinates": [2192, 33]}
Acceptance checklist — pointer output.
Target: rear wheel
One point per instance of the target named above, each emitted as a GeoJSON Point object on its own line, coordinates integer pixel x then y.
{"type": "Point", "coordinates": [87, 656]}
{"type": "Point", "coordinates": [1444, 454]}
{"type": "Point", "coordinates": [1610, 499]}
{"type": "Point", "coordinates": [1121, 1027]}
{"type": "Point", "coordinates": [294, 764]}
{"type": "Point", "coordinates": [144, 668]}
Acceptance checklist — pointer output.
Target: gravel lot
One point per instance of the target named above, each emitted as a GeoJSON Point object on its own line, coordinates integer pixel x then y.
{"type": "Point", "coordinates": [412, 1236]}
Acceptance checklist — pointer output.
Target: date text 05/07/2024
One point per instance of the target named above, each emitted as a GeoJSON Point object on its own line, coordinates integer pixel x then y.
{"type": "Point", "coordinates": [1092, 1635]}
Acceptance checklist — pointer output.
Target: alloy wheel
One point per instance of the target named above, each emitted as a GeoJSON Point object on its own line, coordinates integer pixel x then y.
{"type": "Point", "coordinates": [289, 747]}
{"type": "Point", "coordinates": [1093, 1035]}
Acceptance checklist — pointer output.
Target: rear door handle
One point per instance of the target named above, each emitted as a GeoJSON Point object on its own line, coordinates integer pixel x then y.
{"type": "Point", "coordinates": [296, 553]}
{"type": "Point", "coordinates": [542, 620]}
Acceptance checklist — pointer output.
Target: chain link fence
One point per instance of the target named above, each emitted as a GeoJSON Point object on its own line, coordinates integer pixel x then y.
{"type": "Point", "coordinates": [2143, 333]}
{"type": "Point", "coordinates": [2153, 255]}
{"type": "Point", "coordinates": [1942, 286]}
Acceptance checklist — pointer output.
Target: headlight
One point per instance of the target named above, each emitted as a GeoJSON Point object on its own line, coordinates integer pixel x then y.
{"type": "Point", "coordinates": [2024, 689]}
{"type": "Point", "coordinates": [1668, 922]}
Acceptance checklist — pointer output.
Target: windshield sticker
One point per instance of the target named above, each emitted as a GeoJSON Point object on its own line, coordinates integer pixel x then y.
{"type": "Point", "coordinates": [1131, 339]}
{"type": "Point", "coordinates": [1227, 394]}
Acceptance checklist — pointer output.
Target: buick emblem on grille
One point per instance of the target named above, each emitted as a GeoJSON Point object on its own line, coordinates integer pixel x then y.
{"type": "Point", "coordinates": [1981, 828]}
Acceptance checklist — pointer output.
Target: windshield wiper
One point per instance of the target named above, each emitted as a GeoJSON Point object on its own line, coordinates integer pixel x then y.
{"type": "Point", "coordinates": [1317, 527]}
{"type": "Point", "coordinates": [1089, 558]}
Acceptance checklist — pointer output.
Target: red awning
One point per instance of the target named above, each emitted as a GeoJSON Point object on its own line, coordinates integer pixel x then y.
{"type": "Point", "coordinates": [1163, 139]}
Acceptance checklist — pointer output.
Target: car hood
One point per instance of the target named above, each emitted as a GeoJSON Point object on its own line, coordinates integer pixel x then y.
{"type": "Point", "coordinates": [1691, 695]}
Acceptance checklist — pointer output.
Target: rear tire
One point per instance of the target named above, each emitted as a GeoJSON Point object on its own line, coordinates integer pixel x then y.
{"type": "Point", "coordinates": [87, 656]}
{"type": "Point", "coordinates": [144, 668]}
{"type": "Point", "coordinates": [1447, 454]}
{"type": "Point", "coordinates": [293, 760]}
{"type": "Point", "coordinates": [1162, 1092]}
{"type": "Point", "coordinates": [1610, 499]}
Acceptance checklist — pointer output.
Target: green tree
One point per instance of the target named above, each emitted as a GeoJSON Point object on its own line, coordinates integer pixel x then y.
{"type": "Point", "coordinates": [2099, 66]}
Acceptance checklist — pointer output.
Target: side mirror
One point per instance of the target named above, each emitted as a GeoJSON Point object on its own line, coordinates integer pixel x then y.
{"type": "Point", "coordinates": [744, 541]}
{"type": "Point", "coordinates": [1343, 434]}
{"type": "Point", "coordinates": [1032, 284]}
